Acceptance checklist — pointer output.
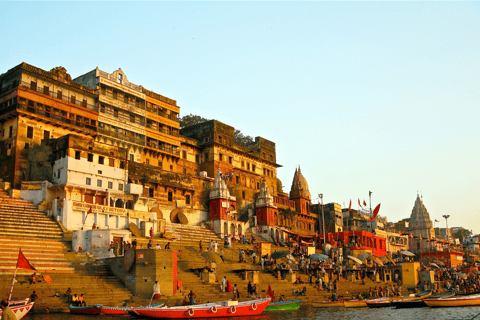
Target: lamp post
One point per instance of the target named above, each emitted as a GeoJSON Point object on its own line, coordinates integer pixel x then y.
{"type": "Point", "coordinates": [323, 217]}
{"type": "Point", "coordinates": [446, 216]}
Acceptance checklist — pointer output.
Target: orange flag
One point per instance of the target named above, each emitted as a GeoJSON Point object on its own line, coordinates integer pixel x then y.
{"type": "Point", "coordinates": [375, 213]}
{"type": "Point", "coordinates": [350, 206]}
{"type": "Point", "coordinates": [23, 263]}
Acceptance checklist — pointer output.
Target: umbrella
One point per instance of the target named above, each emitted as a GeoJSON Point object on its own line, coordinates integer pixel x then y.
{"type": "Point", "coordinates": [280, 254]}
{"type": "Point", "coordinates": [378, 261]}
{"type": "Point", "coordinates": [434, 265]}
{"type": "Point", "coordinates": [355, 259]}
{"type": "Point", "coordinates": [407, 253]}
{"type": "Point", "coordinates": [388, 259]}
{"type": "Point", "coordinates": [318, 257]}
{"type": "Point", "coordinates": [363, 256]}
{"type": "Point", "coordinates": [211, 256]}
{"type": "Point", "coordinates": [440, 263]}
{"type": "Point", "coordinates": [462, 275]}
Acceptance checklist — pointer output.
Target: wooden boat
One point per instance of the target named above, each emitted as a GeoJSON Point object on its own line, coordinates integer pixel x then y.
{"type": "Point", "coordinates": [355, 303]}
{"type": "Point", "coordinates": [418, 301]}
{"type": "Point", "coordinates": [378, 303]}
{"type": "Point", "coordinates": [92, 309]}
{"type": "Point", "coordinates": [473, 300]}
{"type": "Point", "coordinates": [284, 305]}
{"type": "Point", "coordinates": [118, 311]}
{"type": "Point", "coordinates": [327, 304]}
{"type": "Point", "coordinates": [224, 309]}
{"type": "Point", "coordinates": [20, 308]}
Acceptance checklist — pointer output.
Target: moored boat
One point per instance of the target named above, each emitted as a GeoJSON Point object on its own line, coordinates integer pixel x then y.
{"type": "Point", "coordinates": [327, 304]}
{"type": "Point", "coordinates": [355, 303]}
{"type": "Point", "coordinates": [417, 302]}
{"type": "Point", "coordinates": [464, 301]}
{"type": "Point", "coordinates": [378, 303]}
{"type": "Point", "coordinates": [224, 309]}
{"type": "Point", "coordinates": [118, 311]}
{"type": "Point", "coordinates": [284, 305]}
{"type": "Point", "coordinates": [20, 308]}
{"type": "Point", "coordinates": [92, 309]}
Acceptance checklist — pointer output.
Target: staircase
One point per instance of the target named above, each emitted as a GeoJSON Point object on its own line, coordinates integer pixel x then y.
{"type": "Point", "coordinates": [190, 233]}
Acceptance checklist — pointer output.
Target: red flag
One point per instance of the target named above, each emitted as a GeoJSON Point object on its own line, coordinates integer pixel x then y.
{"type": "Point", "coordinates": [89, 210]}
{"type": "Point", "coordinates": [350, 206]}
{"type": "Point", "coordinates": [364, 203]}
{"type": "Point", "coordinates": [270, 292]}
{"type": "Point", "coordinates": [23, 263]}
{"type": "Point", "coordinates": [420, 236]}
{"type": "Point", "coordinates": [436, 220]}
{"type": "Point", "coordinates": [400, 232]}
{"type": "Point", "coordinates": [359, 203]}
{"type": "Point", "coordinates": [375, 213]}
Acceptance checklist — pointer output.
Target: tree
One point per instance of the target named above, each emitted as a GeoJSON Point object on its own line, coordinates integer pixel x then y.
{"type": "Point", "coordinates": [462, 234]}
{"type": "Point", "coordinates": [242, 139]}
{"type": "Point", "coordinates": [190, 120]}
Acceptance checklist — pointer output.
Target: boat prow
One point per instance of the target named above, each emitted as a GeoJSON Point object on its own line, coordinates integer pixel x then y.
{"type": "Point", "coordinates": [92, 309]}
{"type": "Point", "coordinates": [20, 308]}
{"type": "Point", "coordinates": [284, 305]}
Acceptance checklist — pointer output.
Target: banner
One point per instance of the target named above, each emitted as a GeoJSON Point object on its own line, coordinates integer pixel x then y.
{"type": "Point", "coordinates": [32, 185]}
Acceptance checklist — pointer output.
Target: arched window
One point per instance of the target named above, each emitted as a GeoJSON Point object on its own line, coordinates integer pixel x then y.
{"type": "Point", "coordinates": [119, 203]}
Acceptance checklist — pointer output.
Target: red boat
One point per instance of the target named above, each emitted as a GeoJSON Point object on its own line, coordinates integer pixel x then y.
{"type": "Point", "coordinates": [119, 311]}
{"type": "Point", "coordinates": [222, 309]}
{"type": "Point", "coordinates": [93, 309]}
{"type": "Point", "coordinates": [20, 308]}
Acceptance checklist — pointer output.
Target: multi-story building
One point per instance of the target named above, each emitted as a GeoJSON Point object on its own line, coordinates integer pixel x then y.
{"type": "Point", "coordinates": [333, 217]}
{"type": "Point", "coordinates": [34, 105]}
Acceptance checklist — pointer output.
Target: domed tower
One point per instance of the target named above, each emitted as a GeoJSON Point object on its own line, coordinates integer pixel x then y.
{"type": "Point", "coordinates": [299, 192]}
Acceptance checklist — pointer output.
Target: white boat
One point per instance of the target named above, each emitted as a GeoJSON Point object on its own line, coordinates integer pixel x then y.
{"type": "Point", "coordinates": [20, 308]}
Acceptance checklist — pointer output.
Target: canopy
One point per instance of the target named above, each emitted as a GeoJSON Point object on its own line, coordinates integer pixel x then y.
{"type": "Point", "coordinates": [407, 253]}
{"type": "Point", "coordinates": [363, 256]}
{"type": "Point", "coordinates": [434, 265]}
{"type": "Point", "coordinates": [388, 259]}
{"type": "Point", "coordinates": [355, 259]}
{"type": "Point", "coordinates": [318, 257]}
{"type": "Point", "coordinates": [280, 254]}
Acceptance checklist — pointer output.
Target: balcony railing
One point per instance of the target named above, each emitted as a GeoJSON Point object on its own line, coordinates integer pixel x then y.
{"type": "Point", "coordinates": [136, 104]}
{"type": "Point", "coordinates": [284, 202]}
{"type": "Point", "coordinates": [121, 136]}
{"type": "Point", "coordinates": [56, 117]}
{"type": "Point", "coordinates": [55, 95]}
{"type": "Point", "coordinates": [170, 116]}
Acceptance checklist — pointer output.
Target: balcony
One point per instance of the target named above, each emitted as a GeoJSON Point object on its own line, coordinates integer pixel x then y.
{"type": "Point", "coordinates": [132, 188]}
{"type": "Point", "coordinates": [121, 136]}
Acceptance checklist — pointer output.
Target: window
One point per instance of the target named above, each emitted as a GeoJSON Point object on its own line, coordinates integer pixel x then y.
{"type": "Point", "coordinates": [29, 132]}
{"type": "Point", "coordinates": [243, 164]}
{"type": "Point", "coordinates": [258, 185]}
{"type": "Point", "coordinates": [46, 90]}
{"type": "Point", "coordinates": [111, 162]}
{"type": "Point", "coordinates": [243, 194]}
{"type": "Point", "coordinates": [115, 113]}
{"type": "Point", "coordinates": [120, 78]}
{"type": "Point", "coordinates": [220, 157]}
{"type": "Point", "coordinates": [184, 171]}
{"type": "Point", "coordinates": [58, 174]}
{"type": "Point", "coordinates": [170, 196]}
{"type": "Point", "coordinates": [230, 159]}
{"type": "Point", "coordinates": [253, 167]}
{"type": "Point", "coordinates": [46, 135]}
{"type": "Point", "coordinates": [99, 183]}
{"type": "Point", "coordinates": [187, 199]}
{"type": "Point", "coordinates": [132, 157]}
{"type": "Point", "coordinates": [100, 172]}
{"type": "Point", "coordinates": [206, 156]}
{"type": "Point", "coordinates": [90, 157]}
{"type": "Point", "coordinates": [171, 167]}
{"type": "Point", "coordinates": [33, 85]}
{"type": "Point", "coordinates": [120, 186]}
{"type": "Point", "coordinates": [27, 145]}
{"type": "Point", "coordinates": [110, 185]}
{"type": "Point", "coordinates": [184, 154]}
{"type": "Point", "coordinates": [237, 179]}
{"type": "Point", "coordinates": [72, 99]}
{"type": "Point", "coordinates": [150, 192]}
{"type": "Point", "coordinates": [88, 181]}
{"type": "Point", "coordinates": [122, 165]}
{"type": "Point", "coordinates": [101, 160]}
{"type": "Point", "coordinates": [59, 94]}
{"type": "Point", "coordinates": [160, 164]}
{"type": "Point", "coordinates": [197, 158]}
{"type": "Point", "coordinates": [147, 161]}
{"type": "Point", "coordinates": [248, 165]}
{"type": "Point", "coordinates": [77, 155]}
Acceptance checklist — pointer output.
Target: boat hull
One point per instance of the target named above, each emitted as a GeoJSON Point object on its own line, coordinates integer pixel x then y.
{"type": "Point", "coordinates": [453, 302]}
{"type": "Point", "coordinates": [93, 309]}
{"type": "Point", "coordinates": [20, 310]}
{"type": "Point", "coordinates": [327, 304]}
{"type": "Point", "coordinates": [118, 311]}
{"type": "Point", "coordinates": [284, 305]}
{"type": "Point", "coordinates": [355, 304]}
{"type": "Point", "coordinates": [246, 308]}
{"type": "Point", "coordinates": [378, 303]}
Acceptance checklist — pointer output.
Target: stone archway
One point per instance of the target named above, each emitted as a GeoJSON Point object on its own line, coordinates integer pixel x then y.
{"type": "Point", "coordinates": [232, 229]}
{"type": "Point", "coordinates": [158, 212]}
{"type": "Point", "coordinates": [240, 229]}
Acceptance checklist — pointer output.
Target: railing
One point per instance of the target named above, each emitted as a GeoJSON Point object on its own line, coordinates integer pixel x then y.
{"type": "Point", "coordinates": [166, 131]}
{"type": "Point", "coordinates": [63, 97]}
{"type": "Point", "coordinates": [153, 144]}
{"type": "Point", "coordinates": [283, 201]}
{"type": "Point", "coordinates": [136, 104]}
{"type": "Point", "coordinates": [170, 116]}
{"type": "Point", "coordinates": [120, 136]}
{"type": "Point", "coordinates": [56, 117]}
{"type": "Point", "coordinates": [113, 115]}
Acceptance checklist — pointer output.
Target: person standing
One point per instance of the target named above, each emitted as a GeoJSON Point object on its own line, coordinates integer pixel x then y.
{"type": "Point", "coordinates": [156, 291]}
{"type": "Point", "coordinates": [221, 255]}
{"type": "Point", "coordinates": [7, 312]}
{"type": "Point", "coordinates": [134, 243]}
{"type": "Point", "coordinates": [200, 246]}
{"type": "Point", "coordinates": [191, 297]}
{"type": "Point", "coordinates": [33, 297]}
{"type": "Point", "coordinates": [215, 246]}
{"type": "Point", "coordinates": [254, 256]}
{"type": "Point", "coordinates": [224, 283]}
{"type": "Point", "coordinates": [249, 289]}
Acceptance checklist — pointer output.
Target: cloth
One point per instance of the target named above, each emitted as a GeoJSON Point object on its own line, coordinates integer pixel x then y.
{"type": "Point", "coordinates": [8, 314]}
{"type": "Point", "coordinates": [229, 286]}
{"type": "Point", "coordinates": [47, 279]}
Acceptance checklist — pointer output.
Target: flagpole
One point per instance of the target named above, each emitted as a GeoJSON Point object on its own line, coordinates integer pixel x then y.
{"type": "Point", "coordinates": [13, 282]}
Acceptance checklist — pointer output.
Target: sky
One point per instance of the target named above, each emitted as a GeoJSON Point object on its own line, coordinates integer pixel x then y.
{"type": "Point", "coordinates": [363, 96]}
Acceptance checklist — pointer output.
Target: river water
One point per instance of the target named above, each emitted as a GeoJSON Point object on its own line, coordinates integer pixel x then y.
{"type": "Point", "coordinates": [307, 312]}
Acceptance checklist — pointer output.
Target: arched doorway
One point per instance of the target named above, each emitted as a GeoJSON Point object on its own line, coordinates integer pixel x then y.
{"type": "Point", "coordinates": [225, 228]}
{"type": "Point", "coordinates": [239, 229]}
{"type": "Point", "coordinates": [119, 203]}
{"type": "Point", "coordinates": [232, 229]}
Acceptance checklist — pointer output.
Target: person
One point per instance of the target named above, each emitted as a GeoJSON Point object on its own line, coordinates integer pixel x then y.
{"type": "Point", "coordinates": [158, 246]}
{"type": "Point", "coordinates": [134, 243]}
{"type": "Point", "coordinates": [167, 246]}
{"type": "Point", "coordinates": [186, 302]}
{"type": "Point", "coordinates": [7, 313]}
{"type": "Point", "coordinates": [81, 301]}
{"type": "Point", "coordinates": [33, 297]}
{"type": "Point", "coordinates": [151, 232]}
{"type": "Point", "coordinates": [282, 298]}
{"type": "Point", "coordinates": [221, 255]}
{"type": "Point", "coordinates": [262, 261]}
{"type": "Point", "coordinates": [150, 244]}
{"type": "Point", "coordinates": [47, 309]}
{"type": "Point", "coordinates": [68, 294]}
{"type": "Point", "coordinates": [192, 296]}
{"type": "Point", "coordinates": [235, 294]}
{"type": "Point", "coordinates": [224, 282]}
{"type": "Point", "coordinates": [215, 246]}
{"type": "Point", "coordinates": [200, 245]}
{"type": "Point", "coordinates": [156, 291]}
{"type": "Point", "coordinates": [254, 256]}
{"type": "Point", "coordinates": [249, 289]}
{"type": "Point", "coordinates": [33, 278]}
{"type": "Point", "coordinates": [255, 290]}
{"type": "Point", "coordinates": [75, 300]}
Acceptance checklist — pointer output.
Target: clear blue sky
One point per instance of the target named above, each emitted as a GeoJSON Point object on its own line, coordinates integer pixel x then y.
{"type": "Point", "coordinates": [364, 96]}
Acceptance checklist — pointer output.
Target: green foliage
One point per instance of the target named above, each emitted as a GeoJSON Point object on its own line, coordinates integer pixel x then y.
{"type": "Point", "coordinates": [462, 234]}
{"type": "Point", "coordinates": [190, 120]}
{"type": "Point", "coordinates": [242, 139]}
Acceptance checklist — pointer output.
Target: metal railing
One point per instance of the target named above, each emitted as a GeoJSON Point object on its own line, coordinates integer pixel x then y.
{"type": "Point", "coordinates": [136, 104]}
{"type": "Point", "coordinates": [121, 136]}
{"type": "Point", "coordinates": [55, 95]}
